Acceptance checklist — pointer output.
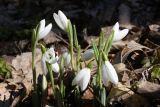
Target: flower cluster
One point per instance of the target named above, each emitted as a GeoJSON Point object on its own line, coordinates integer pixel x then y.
{"type": "Point", "coordinates": [50, 57]}
{"type": "Point", "coordinates": [83, 76]}
{"type": "Point", "coordinates": [105, 70]}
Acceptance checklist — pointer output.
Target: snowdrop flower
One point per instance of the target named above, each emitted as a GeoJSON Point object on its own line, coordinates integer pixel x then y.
{"type": "Point", "coordinates": [67, 58]}
{"type": "Point", "coordinates": [87, 55]}
{"type": "Point", "coordinates": [43, 31]}
{"type": "Point", "coordinates": [55, 67]}
{"type": "Point", "coordinates": [44, 67]}
{"type": "Point", "coordinates": [109, 73]}
{"type": "Point", "coordinates": [82, 78]}
{"type": "Point", "coordinates": [61, 20]}
{"type": "Point", "coordinates": [50, 57]}
{"type": "Point", "coordinates": [44, 83]}
{"type": "Point", "coordinates": [119, 34]}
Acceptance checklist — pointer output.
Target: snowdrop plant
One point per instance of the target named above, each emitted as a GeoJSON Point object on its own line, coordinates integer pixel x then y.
{"type": "Point", "coordinates": [50, 63]}
{"type": "Point", "coordinates": [65, 24]}
{"type": "Point", "coordinates": [105, 70]}
{"type": "Point", "coordinates": [38, 33]}
{"type": "Point", "coordinates": [82, 78]}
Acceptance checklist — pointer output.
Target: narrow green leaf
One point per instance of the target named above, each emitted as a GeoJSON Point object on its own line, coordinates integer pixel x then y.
{"type": "Point", "coordinates": [75, 37]}
{"type": "Point", "coordinates": [96, 52]}
{"type": "Point", "coordinates": [103, 96]}
{"type": "Point", "coordinates": [108, 43]}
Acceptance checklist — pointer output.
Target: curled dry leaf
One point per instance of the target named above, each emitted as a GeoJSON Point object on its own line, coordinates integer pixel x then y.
{"type": "Point", "coordinates": [131, 47]}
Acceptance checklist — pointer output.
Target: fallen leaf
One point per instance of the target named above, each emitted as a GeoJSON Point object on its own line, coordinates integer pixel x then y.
{"type": "Point", "coordinates": [149, 90]}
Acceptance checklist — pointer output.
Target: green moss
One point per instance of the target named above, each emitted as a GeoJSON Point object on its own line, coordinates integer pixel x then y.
{"type": "Point", "coordinates": [5, 69]}
{"type": "Point", "coordinates": [155, 73]}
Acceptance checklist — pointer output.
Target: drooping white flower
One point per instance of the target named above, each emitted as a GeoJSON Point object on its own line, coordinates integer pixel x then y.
{"type": "Point", "coordinates": [109, 73]}
{"type": "Point", "coordinates": [67, 58]}
{"type": "Point", "coordinates": [82, 78]}
{"type": "Point", "coordinates": [44, 83]}
{"type": "Point", "coordinates": [43, 31]}
{"type": "Point", "coordinates": [61, 20]}
{"type": "Point", "coordinates": [55, 67]}
{"type": "Point", "coordinates": [87, 55]}
{"type": "Point", "coordinates": [44, 67]}
{"type": "Point", "coordinates": [119, 34]}
{"type": "Point", "coordinates": [50, 57]}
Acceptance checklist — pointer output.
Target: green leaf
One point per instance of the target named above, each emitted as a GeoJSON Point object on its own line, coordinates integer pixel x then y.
{"type": "Point", "coordinates": [101, 41]}
{"type": "Point", "coordinates": [75, 37]}
{"type": "Point", "coordinates": [108, 43]}
{"type": "Point", "coordinates": [96, 52]}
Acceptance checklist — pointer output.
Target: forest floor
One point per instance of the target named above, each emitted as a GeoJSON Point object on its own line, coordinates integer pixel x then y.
{"type": "Point", "coordinates": [136, 58]}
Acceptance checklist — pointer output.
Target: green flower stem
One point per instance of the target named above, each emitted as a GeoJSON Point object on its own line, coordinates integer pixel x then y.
{"type": "Point", "coordinates": [61, 78]}
{"type": "Point", "coordinates": [99, 75]}
{"type": "Point", "coordinates": [70, 35]}
{"type": "Point", "coordinates": [78, 58]}
{"type": "Point", "coordinates": [34, 43]}
{"type": "Point", "coordinates": [49, 67]}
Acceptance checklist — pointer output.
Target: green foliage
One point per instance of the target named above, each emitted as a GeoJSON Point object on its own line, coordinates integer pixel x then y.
{"type": "Point", "coordinates": [5, 69]}
{"type": "Point", "coordinates": [155, 73]}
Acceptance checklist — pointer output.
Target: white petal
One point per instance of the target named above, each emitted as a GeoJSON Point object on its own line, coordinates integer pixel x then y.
{"type": "Point", "coordinates": [80, 76]}
{"type": "Point", "coordinates": [52, 60]}
{"type": "Point", "coordinates": [55, 67]}
{"type": "Point", "coordinates": [50, 56]}
{"type": "Point", "coordinates": [87, 55]}
{"type": "Point", "coordinates": [51, 50]}
{"type": "Point", "coordinates": [44, 67]}
{"type": "Point", "coordinates": [119, 34]}
{"type": "Point", "coordinates": [105, 78]}
{"type": "Point", "coordinates": [116, 31]}
{"type": "Point", "coordinates": [123, 33]}
{"type": "Point", "coordinates": [44, 83]}
{"type": "Point", "coordinates": [67, 58]}
{"type": "Point", "coordinates": [63, 19]}
{"type": "Point", "coordinates": [84, 82]}
{"type": "Point", "coordinates": [42, 25]}
{"type": "Point", "coordinates": [111, 72]}
{"type": "Point", "coordinates": [46, 30]}
{"type": "Point", "coordinates": [58, 21]}
{"type": "Point", "coordinates": [116, 27]}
